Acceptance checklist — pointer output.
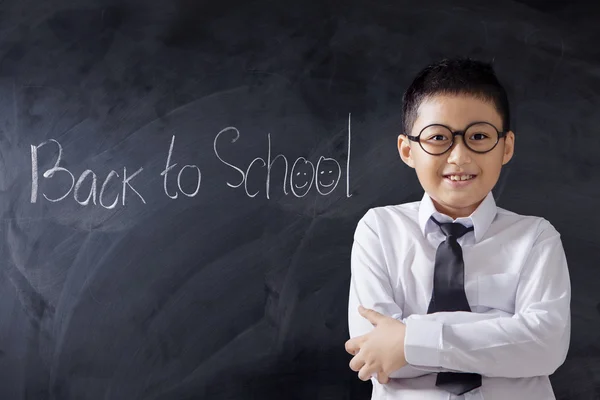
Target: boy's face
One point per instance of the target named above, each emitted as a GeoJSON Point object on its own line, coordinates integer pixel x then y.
{"type": "Point", "coordinates": [456, 112]}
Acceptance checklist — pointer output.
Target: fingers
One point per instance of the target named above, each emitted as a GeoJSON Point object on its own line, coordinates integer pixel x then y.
{"type": "Point", "coordinates": [371, 315]}
{"type": "Point", "coordinates": [383, 377]}
{"type": "Point", "coordinates": [366, 372]}
{"type": "Point", "coordinates": [353, 345]}
{"type": "Point", "coordinates": [356, 363]}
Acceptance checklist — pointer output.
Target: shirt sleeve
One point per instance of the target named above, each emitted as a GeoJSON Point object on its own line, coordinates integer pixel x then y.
{"type": "Point", "coordinates": [532, 342]}
{"type": "Point", "coordinates": [370, 287]}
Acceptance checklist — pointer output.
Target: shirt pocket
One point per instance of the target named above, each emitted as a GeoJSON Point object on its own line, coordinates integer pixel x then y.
{"type": "Point", "coordinates": [498, 291]}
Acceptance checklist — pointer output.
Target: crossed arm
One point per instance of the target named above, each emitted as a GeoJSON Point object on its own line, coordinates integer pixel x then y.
{"type": "Point", "coordinates": [532, 342]}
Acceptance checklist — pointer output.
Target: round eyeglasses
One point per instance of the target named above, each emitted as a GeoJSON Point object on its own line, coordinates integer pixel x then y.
{"type": "Point", "coordinates": [479, 137]}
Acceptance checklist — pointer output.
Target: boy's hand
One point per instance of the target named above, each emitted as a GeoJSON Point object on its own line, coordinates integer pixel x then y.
{"type": "Point", "coordinates": [380, 351]}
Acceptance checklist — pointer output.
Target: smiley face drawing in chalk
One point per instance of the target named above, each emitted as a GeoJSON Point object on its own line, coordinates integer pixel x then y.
{"type": "Point", "coordinates": [302, 176]}
{"type": "Point", "coordinates": [327, 175]}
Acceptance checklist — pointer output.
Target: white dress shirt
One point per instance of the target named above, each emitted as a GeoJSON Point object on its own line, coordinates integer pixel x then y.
{"type": "Point", "coordinates": [517, 284]}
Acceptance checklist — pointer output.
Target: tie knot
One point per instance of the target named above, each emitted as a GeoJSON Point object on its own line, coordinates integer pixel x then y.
{"type": "Point", "coordinates": [453, 229]}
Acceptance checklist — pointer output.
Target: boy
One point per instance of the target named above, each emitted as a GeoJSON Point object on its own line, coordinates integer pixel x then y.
{"type": "Point", "coordinates": [462, 299]}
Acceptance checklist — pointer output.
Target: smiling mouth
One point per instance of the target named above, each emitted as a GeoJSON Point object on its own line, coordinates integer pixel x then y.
{"type": "Point", "coordinates": [324, 185]}
{"type": "Point", "coordinates": [300, 187]}
{"type": "Point", "coordinates": [460, 178]}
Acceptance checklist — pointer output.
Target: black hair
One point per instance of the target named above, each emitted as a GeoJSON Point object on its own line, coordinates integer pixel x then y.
{"type": "Point", "coordinates": [458, 76]}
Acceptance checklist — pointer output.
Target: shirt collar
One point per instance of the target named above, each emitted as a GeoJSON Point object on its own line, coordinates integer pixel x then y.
{"type": "Point", "coordinates": [480, 219]}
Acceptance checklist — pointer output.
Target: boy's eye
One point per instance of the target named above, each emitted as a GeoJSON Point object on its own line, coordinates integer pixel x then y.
{"type": "Point", "coordinates": [479, 136]}
{"type": "Point", "coordinates": [438, 137]}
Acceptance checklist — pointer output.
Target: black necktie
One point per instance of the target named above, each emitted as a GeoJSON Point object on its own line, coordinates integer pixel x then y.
{"type": "Point", "coordinates": [449, 295]}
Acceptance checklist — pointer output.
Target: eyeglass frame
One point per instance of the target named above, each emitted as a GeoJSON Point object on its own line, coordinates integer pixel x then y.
{"type": "Point", "coordinates": [417, 138]}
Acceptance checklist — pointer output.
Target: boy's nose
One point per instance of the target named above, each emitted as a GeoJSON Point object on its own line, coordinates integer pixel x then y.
{"type": "Point", "coordinates": [459, 153]}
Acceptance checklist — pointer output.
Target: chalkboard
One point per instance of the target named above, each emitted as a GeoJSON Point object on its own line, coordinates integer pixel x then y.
{"type": "Point", "coordinates": [180, 182]}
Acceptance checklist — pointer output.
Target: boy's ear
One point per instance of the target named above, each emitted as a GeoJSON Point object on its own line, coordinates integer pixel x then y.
{"type": "Point", "coordinates": [509, 147]}
{"type": "Point", "coordinates": [405, 151]}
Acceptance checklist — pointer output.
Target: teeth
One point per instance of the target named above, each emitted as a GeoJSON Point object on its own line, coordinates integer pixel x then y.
{"type": "Point", "coordinates": [460, 177]}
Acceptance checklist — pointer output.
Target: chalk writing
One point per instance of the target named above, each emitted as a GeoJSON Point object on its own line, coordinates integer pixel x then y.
{"type": "Point", "coordinates": [165, 173]}
{"type": "Point", "coordinates": [325, 176]}
{"type": "Point", "coordinates": [304, 174]}
{"type": "Point", "coordinates": [92, 195]}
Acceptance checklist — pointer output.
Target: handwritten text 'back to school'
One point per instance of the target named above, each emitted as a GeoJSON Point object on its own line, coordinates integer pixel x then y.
{"type": "Point", "coordinates": [301, 176]}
